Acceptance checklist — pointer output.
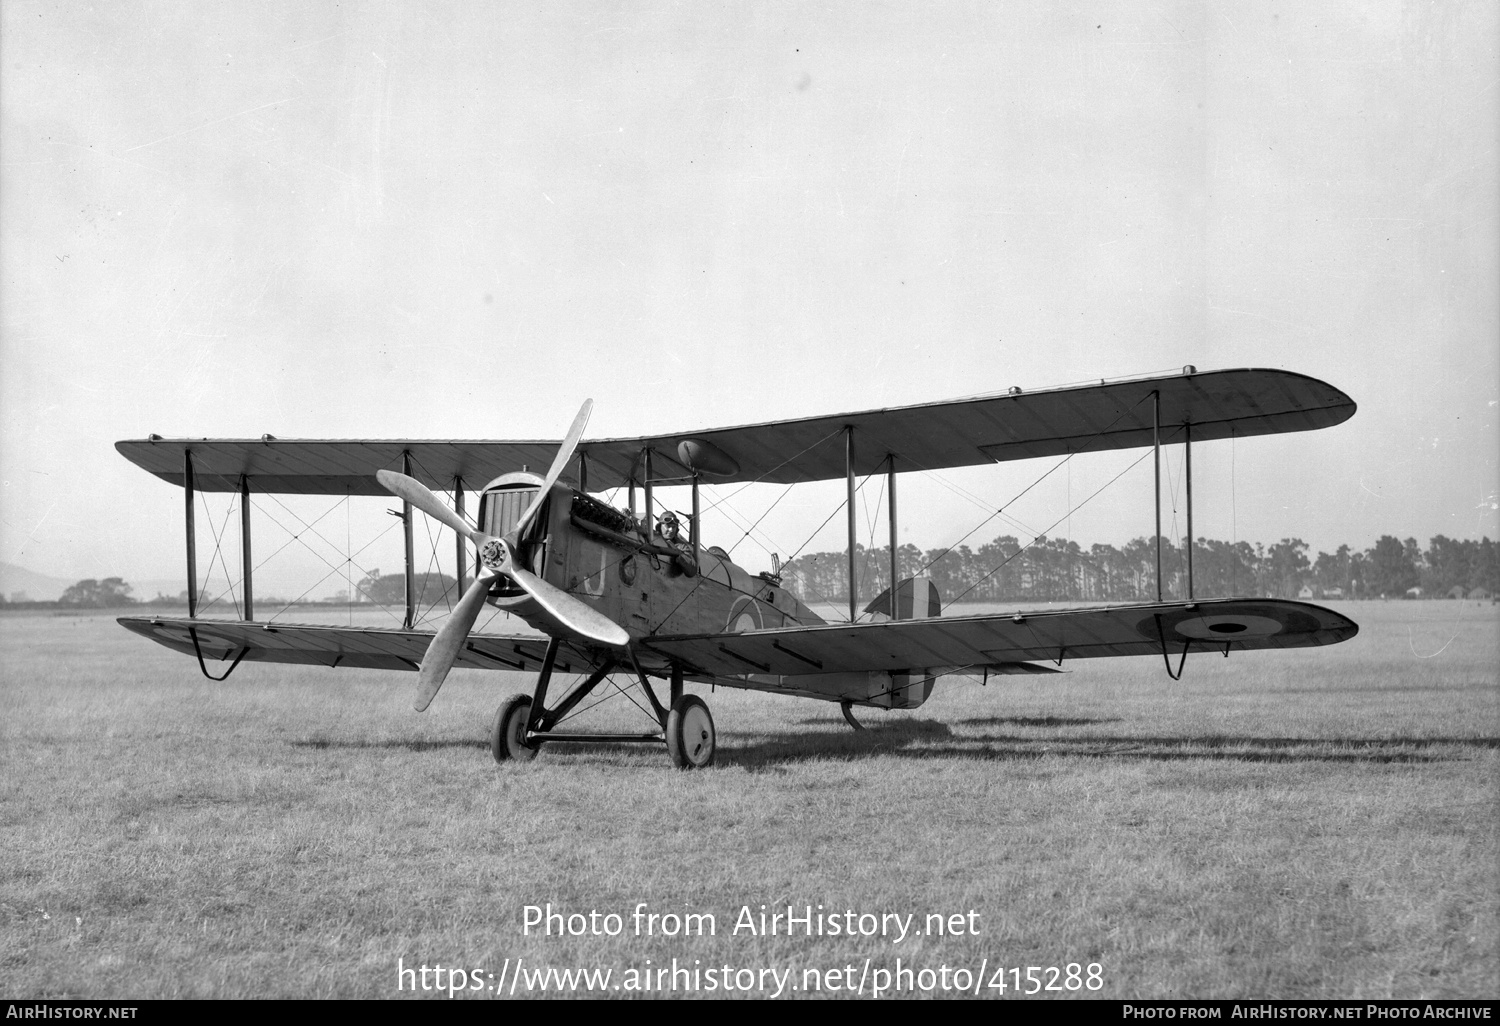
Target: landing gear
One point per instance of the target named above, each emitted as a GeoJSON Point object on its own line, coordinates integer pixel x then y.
{"type": "Point", "coordinates": [690, 733]}
{"type": "Point", "coordinates": [508, 733]}
{"type": "Point", "coordinates": [524, 722]}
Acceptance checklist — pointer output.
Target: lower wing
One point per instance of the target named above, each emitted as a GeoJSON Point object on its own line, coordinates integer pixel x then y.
{"type": "Point", "coordinates": [377, 648]}
{"type": "Point", "coordinates": [999, 641]}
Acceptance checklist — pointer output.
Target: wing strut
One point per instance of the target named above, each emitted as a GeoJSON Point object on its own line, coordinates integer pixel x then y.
{"type": "Point", "coordinates": [849, 478]}
{"type": "Point", "coordinates": [245, 560]}
{"type": "Point", "coordinates": [891, 487]}
{"type": "Point", "coordinates": [1156, 458]}
{"type": "Point", "coordinates": [459, 541]}
{"type": "Point", "coordinates": [406, 526]}
{"type": "Point", "coordinates": [694, 534]}
{"type": "Point", "coordinates": [650, 494]}
{"type": "Point", "coordinates": [1187, 452]}
{"type": "Point", "coordinates": [192, 541]}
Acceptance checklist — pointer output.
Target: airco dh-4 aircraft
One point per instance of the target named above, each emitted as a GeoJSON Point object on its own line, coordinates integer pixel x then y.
{"type": "Point", "coordinates": [611, 594]}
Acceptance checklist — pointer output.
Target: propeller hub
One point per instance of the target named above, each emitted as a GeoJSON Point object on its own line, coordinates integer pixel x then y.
{"type": "Point", "coordinates": [493, 554]}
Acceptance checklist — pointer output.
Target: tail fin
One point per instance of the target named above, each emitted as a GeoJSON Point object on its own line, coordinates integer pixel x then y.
{"type": "Point", "coordinates": [916, 599]}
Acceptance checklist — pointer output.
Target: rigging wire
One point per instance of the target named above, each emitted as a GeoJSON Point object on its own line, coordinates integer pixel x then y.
{"type": "Point", "coordinates": [1059, 520]}
{"type": "Point", "coordinates": [1000, 512]}
{"type": "Point", "coordinates": [433, 559]}
{"type": "Point", "coordinates": [600, 701]}
{"type": "Point", "coordinates": [753, 526]}
{"type": "Point", "coordinates": [832, 434]}
{"type": "Point", "coordinates": [307, 527]}
{"type": "Point", "coordinates": [296, 537]}
{"type": "Point", "coordinates": [334, 569]}
{"type": "Point", "coordinates": [871, 518]}
{"type": "Point", "coordinates": [702, 578]}
{"type": "Point", "coordinates": [218, 556]}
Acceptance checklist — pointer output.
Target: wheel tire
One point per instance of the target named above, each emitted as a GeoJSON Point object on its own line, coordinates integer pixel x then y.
{"type": "Point", "coordinates": [508, 732]}
{"type": "Point", "coordinates": [691, 740]}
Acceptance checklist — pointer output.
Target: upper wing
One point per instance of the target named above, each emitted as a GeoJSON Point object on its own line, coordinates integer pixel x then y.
{"type": "Point", "coordinates": [977, 641]}
{"type": "Point", "coordinates": [931, 436]}
{"type": "Point", "coordinates": [377, 648]}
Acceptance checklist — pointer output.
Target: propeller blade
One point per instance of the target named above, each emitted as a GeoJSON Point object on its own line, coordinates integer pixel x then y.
{"type": "Point", "coordinates": [576, 616]}
{"type": "Point", "coordinates": [559, 463]}
{"type": "Point", "coordinates": [422, 497]}
{"type": "Point", "coordinates": [443, 650]}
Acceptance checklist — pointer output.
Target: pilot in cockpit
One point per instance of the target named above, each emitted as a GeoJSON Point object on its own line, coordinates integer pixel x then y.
{"type": "Point", "coordinates": [671, 532]}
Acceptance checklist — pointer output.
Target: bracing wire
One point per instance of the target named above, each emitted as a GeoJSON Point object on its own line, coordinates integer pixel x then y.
{"type": "Point", "coordinates": [1000, 511]}
{"type": "Point", "coordinates": [1059, 520]}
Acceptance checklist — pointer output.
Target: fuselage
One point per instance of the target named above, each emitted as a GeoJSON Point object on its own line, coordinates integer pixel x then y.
{"type": "Point", "coordinates": [611, 560]}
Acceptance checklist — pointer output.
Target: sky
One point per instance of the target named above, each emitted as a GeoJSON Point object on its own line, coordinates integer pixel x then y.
{"type": "Point", "coordinates": [454, 220]}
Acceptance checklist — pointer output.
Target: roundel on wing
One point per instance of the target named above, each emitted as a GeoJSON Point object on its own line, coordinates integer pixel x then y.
{"type": "Point", "coordinates": [744, 616]}
{"type": "Point", "coordinates": [1227, 627]}
{"type": "Point", "coordinates": [1247, 622]}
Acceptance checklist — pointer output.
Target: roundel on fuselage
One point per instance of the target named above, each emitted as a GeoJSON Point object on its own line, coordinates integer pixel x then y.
{"type": "Point", "coordinates": [744, 616]}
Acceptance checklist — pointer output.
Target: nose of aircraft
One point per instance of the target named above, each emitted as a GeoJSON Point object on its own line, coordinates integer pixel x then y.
{"type": "Point", "coordinates": [570, 615]}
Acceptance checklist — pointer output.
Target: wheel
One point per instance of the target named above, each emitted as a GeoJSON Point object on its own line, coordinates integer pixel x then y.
{"type": "Point", "coordinates": [508, 732]}
{"type": "Point", "coordinates": [690, 733]}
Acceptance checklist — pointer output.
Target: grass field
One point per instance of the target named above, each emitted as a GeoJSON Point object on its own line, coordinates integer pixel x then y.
{"type": "Point", "coordinates": [1278, 825]}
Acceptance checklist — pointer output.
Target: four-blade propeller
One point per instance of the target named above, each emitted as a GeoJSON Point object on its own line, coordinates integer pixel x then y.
{"type": "Point", "coordinates": [568, 614]}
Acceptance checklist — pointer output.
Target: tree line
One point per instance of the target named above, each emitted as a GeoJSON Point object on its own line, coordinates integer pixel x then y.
{"type": "Point", "coordinates": [1058, 569]}
{"type": "Point", "coordinates": [1049, 569]}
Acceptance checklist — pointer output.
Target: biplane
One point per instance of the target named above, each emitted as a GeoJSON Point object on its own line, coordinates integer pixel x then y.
{"type": "Point", "coordinates": [616, 590]}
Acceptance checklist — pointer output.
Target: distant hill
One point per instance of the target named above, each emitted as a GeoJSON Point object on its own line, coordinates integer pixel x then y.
{"type": "Point", "coordinates": [41, 588]}
{"type": "Point", "coordinates": [38, 587]}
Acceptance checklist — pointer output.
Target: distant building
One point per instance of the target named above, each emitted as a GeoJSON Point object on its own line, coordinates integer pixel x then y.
{"type": "Point", "coordinates": [1481, 593]}
{"type": "Point", "coordinates": [1413, 592]}
{"type": "Point", "coordinates": [1306, 592]}
{"type": "Point", "coordinates": [19, 596]}
{"type": "Point", "coordinates": [1456, 592]}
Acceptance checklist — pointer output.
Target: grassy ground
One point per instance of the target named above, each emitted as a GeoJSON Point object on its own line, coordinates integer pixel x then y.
{"type": "Point", "coordinates": [1285, 824]}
